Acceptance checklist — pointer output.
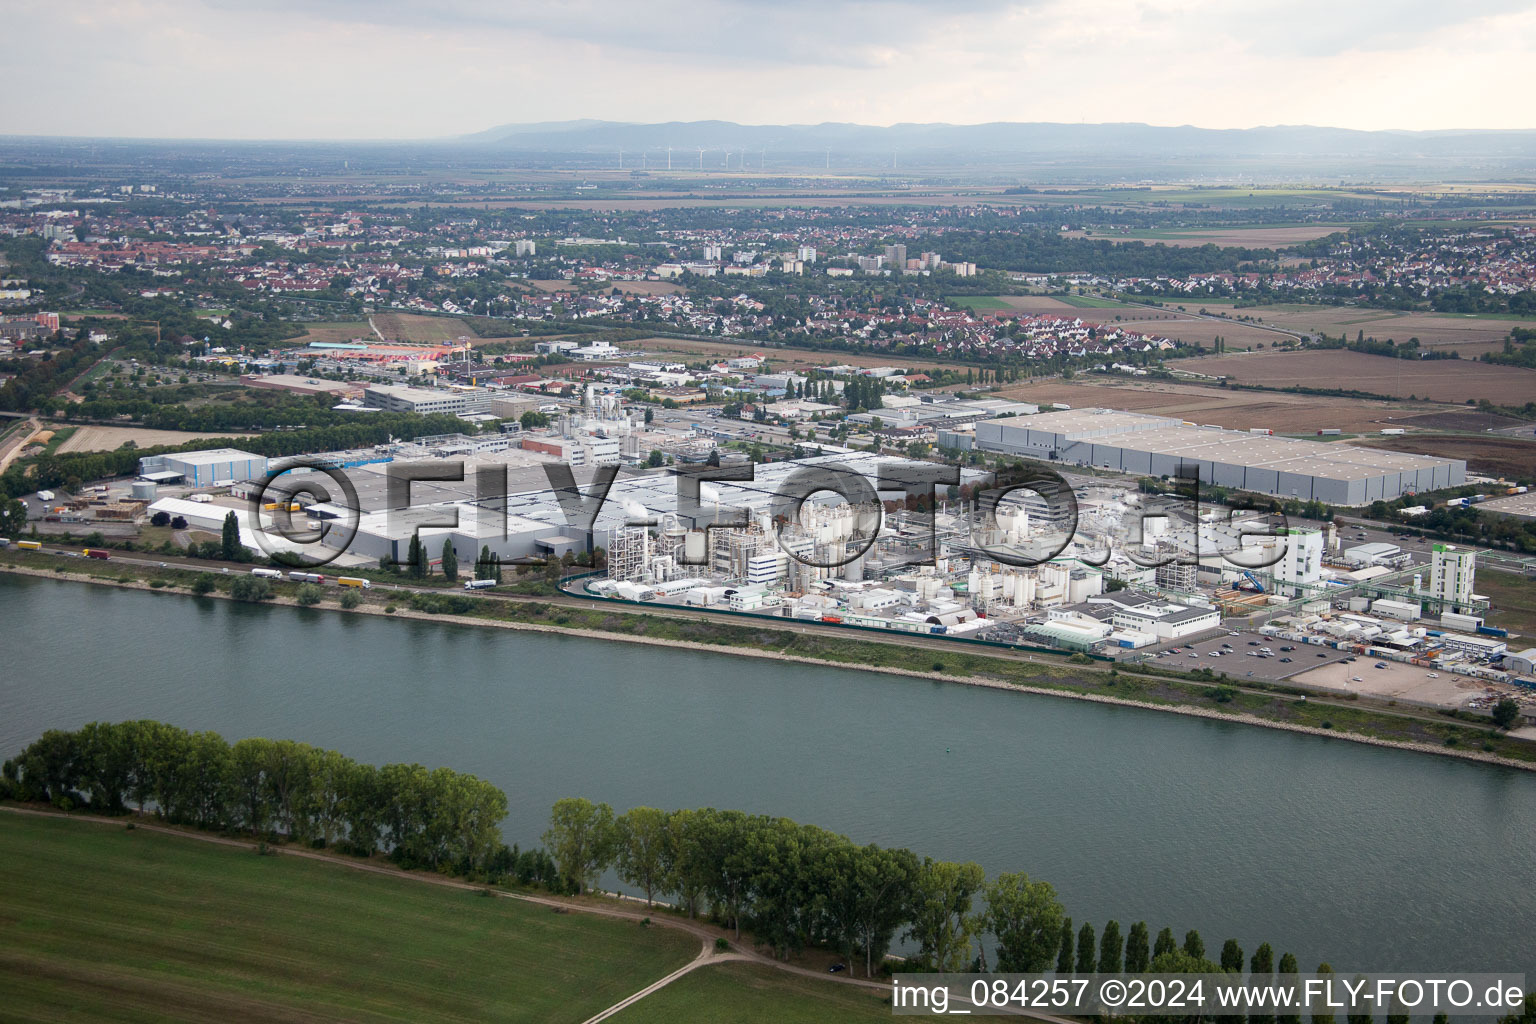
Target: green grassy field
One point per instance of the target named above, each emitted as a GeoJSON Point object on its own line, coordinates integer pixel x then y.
{"type": "Point", "coordinates": [740, 993]}
{"type": "Point", "coordinates": [100, 922]}
{"type": "Point", "coordinates": [1513, 600]}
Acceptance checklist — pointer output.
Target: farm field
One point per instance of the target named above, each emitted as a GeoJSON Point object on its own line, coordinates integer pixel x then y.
{"type": "Point", "coordinates": [981, 303]}
{"type": "Point", "coordinates": [1470, 336]}
{"type": "Point", "coordinates": [1453, 381]}
{"type": "Point", "coordinates": [103, 923]}
{"type": "Point", "coordinates": [107, 439]}
{"type": "Point", "coordinates": [336, 331]}
{"type": "Point", "coordinates": [741, 993]}
{"type": "Point", "coordinates": [1168, 323]}
{"type": "Point", "coordinates": [627, 287]}
{"type": "Point", "coordinates": [420, 328]}
{"type": "Point", "coordinates": [1238, 410]}
{"type": "Point", "coordinates": [648, 287]}
{"type": "Point", "coordinates": [1021, 303]}
{"type": "Point", "coordinates": [1250, 236]}
{"type": "Point", "coordinates": [1492, 454]}
{"type": "Point", "coordinates": [1192, 330]}
{"type": "Point", "coordinates": [1093, 302]}
{"type": "Point", "coordinates": [696, 348]}
{"type": "Point", "coordinates": [1062, 305]}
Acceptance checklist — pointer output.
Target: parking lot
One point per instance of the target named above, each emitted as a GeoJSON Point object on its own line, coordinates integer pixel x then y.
{"type": "Point", "coordinates": [1396, 681]}
{"type": "Point", "coordinates": [1239, 656]}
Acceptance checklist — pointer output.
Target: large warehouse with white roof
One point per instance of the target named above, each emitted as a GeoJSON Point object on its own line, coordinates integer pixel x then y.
{"type": "Point", "coordinates": [1145, 445]}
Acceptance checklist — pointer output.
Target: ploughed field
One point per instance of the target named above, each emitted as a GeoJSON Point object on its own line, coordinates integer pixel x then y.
{"type": "Point", "coordinates": [1470, 336]}
{"type": "Point", "coordinates": [1494, 455]}
{"type": "Point", "coordinates": [1236, 409]}
{"type": "Point", "coordinates": [1442, 380]}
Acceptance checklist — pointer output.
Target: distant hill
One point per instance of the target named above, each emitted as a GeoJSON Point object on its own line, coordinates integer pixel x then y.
{"type": "Point", "coordinates": [1033, 141]}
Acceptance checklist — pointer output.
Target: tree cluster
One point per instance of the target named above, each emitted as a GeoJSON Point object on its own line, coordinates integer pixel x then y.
{"type": "Point", "coordinates": [431, 818]}
{"type": "Point", "coordinates": [794, 885]}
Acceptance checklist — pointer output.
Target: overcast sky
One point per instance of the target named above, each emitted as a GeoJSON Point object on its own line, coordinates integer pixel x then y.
{"type": "Point", "coordinates": [397, 69]}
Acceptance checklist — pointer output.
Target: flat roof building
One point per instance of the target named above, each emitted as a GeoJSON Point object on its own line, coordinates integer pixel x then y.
{"type": "Point", "coordinates": [424, 401]}
{"type": "Point", "coordinates": [1158, 446]}
{"type": "Point", "coordinates": [206, 468]}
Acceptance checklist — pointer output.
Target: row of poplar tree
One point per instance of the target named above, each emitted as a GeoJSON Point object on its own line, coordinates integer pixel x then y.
{"type": "Point", "coordinates": [794, 885]}
{"type": "Point", "coordinates": [432, 818]}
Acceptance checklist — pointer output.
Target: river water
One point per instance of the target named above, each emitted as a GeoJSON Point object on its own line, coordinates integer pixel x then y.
{"type": "Point", "coordinates": [1369, 858]}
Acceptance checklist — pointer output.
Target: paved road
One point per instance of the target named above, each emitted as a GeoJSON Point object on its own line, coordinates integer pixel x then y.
{"type": "Point", "coordinates": [13, 444]}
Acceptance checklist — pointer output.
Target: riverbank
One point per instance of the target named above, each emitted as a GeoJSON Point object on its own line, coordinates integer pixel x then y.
{"type": "Point", "coordinates": [1212, 699]}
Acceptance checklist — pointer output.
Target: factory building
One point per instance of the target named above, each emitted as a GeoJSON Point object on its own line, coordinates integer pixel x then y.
{"type": "Point", "coordinates": [424, 401]}
{"type": "Point", "coordinates": [1451, 575]}
{"type": "Point", "coordinates": [528, 521]}
{"type": "Point", "coordinates": [1158, 446]}
{"type": "Point", "coordinates": [206, 468]}
{"type": "Point", "coordinates": [1142, 613]}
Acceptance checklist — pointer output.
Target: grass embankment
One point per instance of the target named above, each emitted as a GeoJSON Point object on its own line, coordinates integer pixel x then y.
{"type": "Point", "coordinates": [1149, 685]}
{"type": "Point", "coordinates": [742, 993]}
{"type": "Point", "coordinates": [102, 922]}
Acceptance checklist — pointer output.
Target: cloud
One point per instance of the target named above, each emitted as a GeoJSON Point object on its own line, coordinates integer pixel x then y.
{"type": "Point", "coordinates": [389, 69]}
{"type": "Point", "coordinates": [1328, 28]}
{"type": "Point", "coordinates": [794, 33]}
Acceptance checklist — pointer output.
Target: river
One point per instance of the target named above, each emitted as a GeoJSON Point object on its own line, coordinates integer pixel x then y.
{"type": "Point", "coordinates": [1372, 859]}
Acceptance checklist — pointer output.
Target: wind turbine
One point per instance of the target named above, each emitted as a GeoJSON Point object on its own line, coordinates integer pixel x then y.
{"type": "Point", "coordinates": [701, 158]}
{"type": "Point", "coordinates": [669, 158]}
{"type": "Point", "coordinates": [621, 159]}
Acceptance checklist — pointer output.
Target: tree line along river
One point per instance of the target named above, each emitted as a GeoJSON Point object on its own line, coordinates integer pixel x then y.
{"type": "Point", "coordinates": [1370, 858]}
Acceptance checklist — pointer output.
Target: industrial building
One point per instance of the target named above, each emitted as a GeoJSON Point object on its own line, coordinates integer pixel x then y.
{"type": "Point", "coordinates": [424, 401]}
{"type": "Point", "coordinates": [301, 385]}
{"type": "Point", "coordinates": [1452, 573]}
{"type": "Point", "coordinates": [206, 468]}
{"type": "Point", "coordinates": [528, 521]}
{"type": "Point", "coordinates": [1159, 446]}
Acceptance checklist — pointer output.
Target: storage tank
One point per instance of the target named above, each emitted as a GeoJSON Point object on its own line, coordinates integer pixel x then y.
{"type": "Point", "coordinates": [144, 490]}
